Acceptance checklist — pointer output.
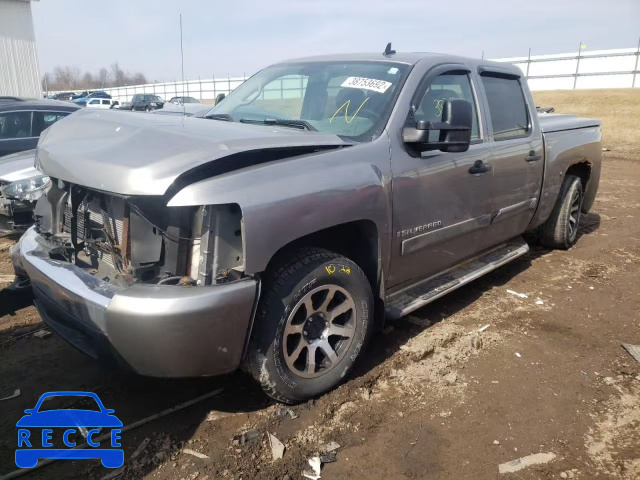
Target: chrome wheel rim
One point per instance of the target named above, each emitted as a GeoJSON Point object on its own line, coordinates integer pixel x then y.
{"type": "Point", "coordinates": [319, 331]}
{"type": "Point", "coordinates": [574, 215]}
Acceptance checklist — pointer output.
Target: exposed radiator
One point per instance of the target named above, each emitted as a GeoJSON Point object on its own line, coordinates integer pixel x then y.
{"type": "Point", "coordinates": [115, 208]}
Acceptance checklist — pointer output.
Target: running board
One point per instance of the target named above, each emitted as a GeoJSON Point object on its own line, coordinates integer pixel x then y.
{"type": "Point", "coordinates": [406, 301]}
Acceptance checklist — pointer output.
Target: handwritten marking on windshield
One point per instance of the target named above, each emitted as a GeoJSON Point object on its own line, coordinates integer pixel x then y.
{"type": "Point", "coordinates": [345, 105]}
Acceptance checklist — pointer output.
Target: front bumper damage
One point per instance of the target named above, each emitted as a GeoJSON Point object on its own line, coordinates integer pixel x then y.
{"type": "Point", "coordinates": [155, 330]}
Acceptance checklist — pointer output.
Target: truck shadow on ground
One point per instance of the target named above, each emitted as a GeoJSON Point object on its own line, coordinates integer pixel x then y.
{"type": "Point", "coordinates": [37, 366]}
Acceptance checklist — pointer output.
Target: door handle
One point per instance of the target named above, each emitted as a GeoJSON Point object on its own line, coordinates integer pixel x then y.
{"type": "Point", "coordinates": [479, 167]}
{"type": "Point", "coordinates": [533, 157]}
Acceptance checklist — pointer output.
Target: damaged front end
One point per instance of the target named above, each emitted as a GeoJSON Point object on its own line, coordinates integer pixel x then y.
{"type": "Point", "coordinates": [128, 240]}
{"type": "Point", "coordinates": [159, 289]}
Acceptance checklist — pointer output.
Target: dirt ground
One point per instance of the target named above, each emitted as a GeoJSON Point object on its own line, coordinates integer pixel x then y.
{"type": "Point", "coordinates": [432, 398]}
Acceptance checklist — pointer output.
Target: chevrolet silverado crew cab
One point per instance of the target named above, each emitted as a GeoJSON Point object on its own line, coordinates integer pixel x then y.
{"type": "Point", "coordinates": [278, 231]}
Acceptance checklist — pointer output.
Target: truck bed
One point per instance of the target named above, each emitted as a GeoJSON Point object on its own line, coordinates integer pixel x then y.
{"type": "Point", "coordinates": [554, 122]}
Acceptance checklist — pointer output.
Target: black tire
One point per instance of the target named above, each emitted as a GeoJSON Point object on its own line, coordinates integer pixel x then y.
{"type": "Point", "coordinates": [297, 282]}
{"type": "Point", "coordinates": [147, 109]}
{"type": "Point", "coordinates": [560, 231]}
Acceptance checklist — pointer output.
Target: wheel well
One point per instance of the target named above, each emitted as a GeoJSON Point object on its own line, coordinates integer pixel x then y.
{"type": "Point", "coordinates": [357, 241]}
{"type": "Point", "coordinates": [581, 170]}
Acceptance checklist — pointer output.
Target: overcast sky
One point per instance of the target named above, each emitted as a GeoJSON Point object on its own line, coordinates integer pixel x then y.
{"type": "Point", "coordinates": [244, 35]}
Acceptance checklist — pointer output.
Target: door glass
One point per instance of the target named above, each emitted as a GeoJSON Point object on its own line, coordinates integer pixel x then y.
{"type": "Point", "coordinates": [445, 87]}
{"type": "Point", "coordinates": [15, 125]}
{"type": "Point", "coordinates": [507, 106]}
{"type": "Point", "coordinates": [43, 120]}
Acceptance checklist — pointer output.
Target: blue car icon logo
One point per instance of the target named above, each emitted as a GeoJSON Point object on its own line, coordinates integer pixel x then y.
{"type": "Point", "coordinates": [72, 425]}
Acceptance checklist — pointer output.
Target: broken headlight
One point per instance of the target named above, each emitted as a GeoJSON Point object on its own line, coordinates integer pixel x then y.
{"type": "Point", "coordinates": [29, 189]}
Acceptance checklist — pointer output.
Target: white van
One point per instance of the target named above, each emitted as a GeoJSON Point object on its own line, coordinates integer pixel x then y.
{"type": "Point", "coordinates": [105, 103]}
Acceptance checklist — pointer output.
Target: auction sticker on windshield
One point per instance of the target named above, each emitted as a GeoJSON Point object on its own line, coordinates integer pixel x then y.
{"type": "Point", "coordinates": [379, 86]}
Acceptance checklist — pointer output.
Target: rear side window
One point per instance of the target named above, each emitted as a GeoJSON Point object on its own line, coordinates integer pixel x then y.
{"type": "Point", "coordinates": [507, 106]}
{"type": "Point", "coordinates": [105, 102]}
{"type": "Point", "coordinates": [43, 120]}
{"type": "Point", "coordinates": [15, 125]}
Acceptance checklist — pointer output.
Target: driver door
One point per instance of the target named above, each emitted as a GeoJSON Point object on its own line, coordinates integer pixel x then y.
{"type": "Point", "coordinates": [440, 208]}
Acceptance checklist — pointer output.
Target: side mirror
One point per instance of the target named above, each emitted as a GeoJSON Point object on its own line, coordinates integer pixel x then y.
{"type": "Point", "coordinates": [454, 128]}
{"type": "Point", "coordinates": [220, 97]}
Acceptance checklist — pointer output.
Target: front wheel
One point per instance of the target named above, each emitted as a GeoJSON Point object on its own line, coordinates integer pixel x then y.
{"type": "Point", "coordinates": [561, 228]}
{"type": "Point", "coordinates": [314, 317]}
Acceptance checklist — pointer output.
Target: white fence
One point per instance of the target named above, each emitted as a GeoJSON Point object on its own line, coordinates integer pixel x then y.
{"type": "Point", "coordinates": [596, 69]}
{"type": "Point", "coordinates": [206, 89]}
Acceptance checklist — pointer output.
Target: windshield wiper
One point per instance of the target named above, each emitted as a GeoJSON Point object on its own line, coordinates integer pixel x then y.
{"type": "Point", "coordinates": [220, 116]}
{"type": "Point", "coordinates": [301, 124]}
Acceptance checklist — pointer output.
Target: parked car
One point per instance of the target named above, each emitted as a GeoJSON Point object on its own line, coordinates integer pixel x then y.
{"type": "Point", "coordinates": [62, 96]}
{"type": "Point", "coordinates": [278, 233]}
{"type": "Point", "coordinates": [19, 176]}
{"type": "Point", "coordinates": [75, 96]}
{"type": "Point", "coordinates": [82, 101]}
{"type": "Point", "coordinates": [22, 121]}
{"type": "Point", "coordinates": [146, 102]}
{"type": "Point", "coordinates": [103, 103]}
{"type": "Point", "coordinates": [183, 100]}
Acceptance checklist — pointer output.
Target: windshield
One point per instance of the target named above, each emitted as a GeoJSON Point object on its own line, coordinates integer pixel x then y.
{"type": "Point", "coordinates": [350, 99]}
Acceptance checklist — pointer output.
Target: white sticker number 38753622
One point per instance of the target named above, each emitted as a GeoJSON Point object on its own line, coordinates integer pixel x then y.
{"type": "Point", "coordinates": [379, 86]}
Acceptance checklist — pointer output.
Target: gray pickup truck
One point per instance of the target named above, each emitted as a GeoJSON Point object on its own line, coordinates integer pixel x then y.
{"type": "Point", "coordinates": [321, 198]}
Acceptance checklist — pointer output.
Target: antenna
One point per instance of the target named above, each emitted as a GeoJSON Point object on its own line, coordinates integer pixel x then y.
{"type": "Point", "coordinates": [184, 109]}
{"type": "Point", "coordinates": [388, 51]}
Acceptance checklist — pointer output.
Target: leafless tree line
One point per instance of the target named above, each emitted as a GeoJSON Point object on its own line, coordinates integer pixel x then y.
{"type": "Point", "coordinates": [71, 77]}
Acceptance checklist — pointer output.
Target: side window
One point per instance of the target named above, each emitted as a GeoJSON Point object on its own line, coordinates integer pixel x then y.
{"type": "Point", "coordinates": [507, 106]}
{"type": "Point", "coordinates": [43, 120]}
{"type": "Point", "coordinates": [15, 125]}
{"type": "Point", "coordinates": [445, 87]}
{"type": "Point", "coordinates": [105, 102]}
{"type": "Point", "coordinates": [94, 102]}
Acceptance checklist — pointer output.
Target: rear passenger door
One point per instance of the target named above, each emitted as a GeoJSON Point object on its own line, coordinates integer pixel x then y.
{"type": "Point", "coordinates": [516, 156]}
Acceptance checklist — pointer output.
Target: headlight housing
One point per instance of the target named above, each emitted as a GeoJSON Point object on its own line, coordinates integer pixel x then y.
{"type": "Point", "coordinates": [29, 189]}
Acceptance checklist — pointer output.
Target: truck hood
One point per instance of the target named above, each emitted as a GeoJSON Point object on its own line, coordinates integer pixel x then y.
{"type": "Point", "coordinates": [140, 154]}
{"type": "Point", "coordinates": [18, 166]}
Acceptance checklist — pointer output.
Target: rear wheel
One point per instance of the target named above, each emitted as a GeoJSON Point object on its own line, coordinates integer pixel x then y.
{"type": "Point", "coordinates": [313, 320]}
{"type": "Point", "coordinates": [560, 231]}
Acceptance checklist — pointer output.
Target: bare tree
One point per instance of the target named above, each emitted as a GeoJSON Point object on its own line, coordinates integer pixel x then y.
{"type": "Point", "coordinates": [67, 77]}
{"type": "Point", "coordinates": [137, 79]}
{"type": "Point", "coordinates": [119, 76]}
{"type": "Point", "coordinates": [71, 78]}
{"type": "Point", "coordinates": [88, 81]}
{"type": "Point", "coordinates": [103, 77]}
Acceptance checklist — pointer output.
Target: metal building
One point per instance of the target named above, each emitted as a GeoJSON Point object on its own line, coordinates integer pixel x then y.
{"type": "Point", "coordinates": [19, 74]}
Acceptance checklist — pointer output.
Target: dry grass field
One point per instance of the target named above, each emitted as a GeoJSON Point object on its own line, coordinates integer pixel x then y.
{"type": "Point", "coordinates": [619, 110]}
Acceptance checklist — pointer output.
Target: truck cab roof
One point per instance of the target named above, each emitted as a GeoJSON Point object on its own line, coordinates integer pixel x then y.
{"type": "Point", "coordinates": [409, 58]}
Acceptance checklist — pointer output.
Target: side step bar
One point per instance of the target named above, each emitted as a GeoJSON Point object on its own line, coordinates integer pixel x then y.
{"type": "Point", "coordinates": [406, 301]}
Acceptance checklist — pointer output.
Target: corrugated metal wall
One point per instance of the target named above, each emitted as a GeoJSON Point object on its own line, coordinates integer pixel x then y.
{"type": "Point", "coordinates": [18, 58]}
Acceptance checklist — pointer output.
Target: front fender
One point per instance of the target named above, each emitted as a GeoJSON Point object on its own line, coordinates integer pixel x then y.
{"type": "Point", "coordinates": [284, 200]}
